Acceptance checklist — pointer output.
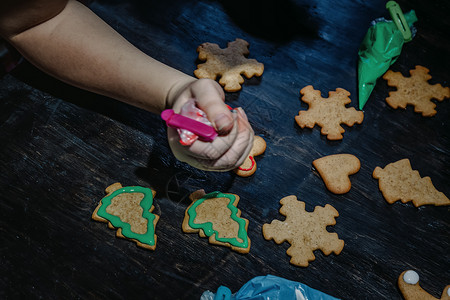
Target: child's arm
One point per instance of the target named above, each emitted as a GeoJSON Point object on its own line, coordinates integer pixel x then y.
{"type": "Point", "coordinates": [77, 47]}
{"type": "Point", "coordinates": [71, 43]}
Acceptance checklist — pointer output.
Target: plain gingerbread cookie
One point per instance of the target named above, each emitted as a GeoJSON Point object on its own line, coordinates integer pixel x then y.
{"type": "Point", "coordinates": [398, 181]}
{"type": "Point", "coordinates": [229, 63]}
{"type": "Point", "coordinates": [335, 170]}
{"type": "Point", "coordinates": [415, 90]}
{"type": "Point", "coordinates": [329, 113]}
{"type": "Point", "coordinates": [304, 231]}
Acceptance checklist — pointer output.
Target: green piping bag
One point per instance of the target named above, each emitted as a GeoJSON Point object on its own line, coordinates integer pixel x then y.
{"type": "Point", "coordinates": [381, 47]}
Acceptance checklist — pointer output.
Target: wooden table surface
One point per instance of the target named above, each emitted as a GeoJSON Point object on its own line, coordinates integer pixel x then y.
{"type": "Point", "coordinates": [61, 147]}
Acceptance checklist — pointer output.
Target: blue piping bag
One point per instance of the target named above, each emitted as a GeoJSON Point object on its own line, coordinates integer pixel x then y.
{"type": "Point", "coordinates": [268, 288]}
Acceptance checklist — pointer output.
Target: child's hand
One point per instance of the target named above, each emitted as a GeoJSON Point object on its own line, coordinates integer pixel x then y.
{"type": "Point", "coordinates": [231, 147]}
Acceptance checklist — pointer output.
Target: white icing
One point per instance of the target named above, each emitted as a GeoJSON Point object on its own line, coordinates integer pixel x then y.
{"type": "Point", "coordinates": [411, 277]}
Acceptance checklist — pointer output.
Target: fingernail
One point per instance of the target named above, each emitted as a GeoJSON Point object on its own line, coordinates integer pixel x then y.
{"type": "Point", "coordinates": [243, 114]}
{"type": "Point", "coordinates": [223, 123]}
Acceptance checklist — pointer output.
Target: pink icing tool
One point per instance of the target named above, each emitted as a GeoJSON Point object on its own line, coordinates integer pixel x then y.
{"type": "Point", "coordinates": [205, 132]}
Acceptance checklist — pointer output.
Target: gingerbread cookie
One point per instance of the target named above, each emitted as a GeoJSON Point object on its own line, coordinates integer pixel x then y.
{"type": "Point", "coordinates": [228, 63]}
{"type": "Point", "coordinates": [249, 165]}
{"type": "Point", "coordinates": [415, 90]}
{"type": "Point", "coordinates": [398, 181]}
{"type": "Point", "coordinates": [408, 283]}
{"type": "Point", "coordinates": [305, 231]}
{"type": "Point", "coordinates": [329, 113]}
{"type": "Point", "coordinates": [216, 216]}
{"type": "Point", "coordinates": [129, 210]}
{"type": "Point", "coordinates": [335, 170]}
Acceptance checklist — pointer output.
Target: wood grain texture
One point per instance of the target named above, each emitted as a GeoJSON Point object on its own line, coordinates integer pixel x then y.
{"type": "Point", "coordinates": [60, 148]}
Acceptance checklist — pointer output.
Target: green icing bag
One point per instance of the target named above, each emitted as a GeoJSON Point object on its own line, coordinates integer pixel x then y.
{"type": "Point", "coordinates": [381, 47]}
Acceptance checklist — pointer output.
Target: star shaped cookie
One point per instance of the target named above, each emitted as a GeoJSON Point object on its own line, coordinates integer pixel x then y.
{"type": "Point", "coordinates": [329, 113]}
{"type": "Point", "coordinates": [305, 231]}
{"type": "Point", "coordinates": [228, 63]}
{"type": "Point", "coordinates": [415, 90]}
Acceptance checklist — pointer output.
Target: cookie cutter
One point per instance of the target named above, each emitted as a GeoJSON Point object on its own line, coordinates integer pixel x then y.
{"type": "Point", "coordinates": [204, 132]}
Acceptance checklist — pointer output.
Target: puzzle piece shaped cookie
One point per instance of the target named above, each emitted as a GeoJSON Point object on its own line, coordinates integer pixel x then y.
{"type": "Point", "coordinates": [335, 170]}
{"type": "Point", "coordinates": [398, 181]}
{"type": "Point", "coordinates": [415, 90]}
{"type": "Point", "coordinates": [305, 231]}
{"type": "Point", "coordinates": [215, 215]}
{"type": "Point", "coordinates": [129, 210]}
{"type": "Point", "coordinates": [249, 165]}
{"type": "Point", "coordinates": [228, 63]}
{"type": "Point", "coordinates": [408, 283]}
{"type": "Point", "coordinates": [329, 113]}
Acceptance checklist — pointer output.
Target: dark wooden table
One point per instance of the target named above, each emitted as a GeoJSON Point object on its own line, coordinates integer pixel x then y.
{"type": "Point", "coordinates": [60, 147]}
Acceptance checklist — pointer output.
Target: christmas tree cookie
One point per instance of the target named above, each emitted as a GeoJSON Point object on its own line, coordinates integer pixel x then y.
{"type": "Point", "coordinates": [129, 210]}
{"type": "Point", "coordinates": [398, 181]}
{"type": "Point", "coordinates": [216, 216]}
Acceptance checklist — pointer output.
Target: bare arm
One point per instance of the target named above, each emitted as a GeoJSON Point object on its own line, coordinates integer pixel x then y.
{"type": "Point", "coordinates": [77, 47]}
{"type": "Point", "coordinates": [68, 41]}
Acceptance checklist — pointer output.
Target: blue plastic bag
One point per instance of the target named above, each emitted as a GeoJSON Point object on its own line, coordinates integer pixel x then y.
{"type": "Point", "coordinates": [268, 288]}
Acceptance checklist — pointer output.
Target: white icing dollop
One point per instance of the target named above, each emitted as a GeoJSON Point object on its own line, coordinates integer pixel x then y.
{"type": "Point", "coordinates": [411, 277]}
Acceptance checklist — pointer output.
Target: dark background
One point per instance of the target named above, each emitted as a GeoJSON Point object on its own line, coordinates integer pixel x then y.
{"type": "Point", "coordinates": [61, 147]}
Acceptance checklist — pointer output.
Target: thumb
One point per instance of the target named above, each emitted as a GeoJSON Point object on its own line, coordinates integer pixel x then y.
{"type": "Point", "coordinates": [209, 97]}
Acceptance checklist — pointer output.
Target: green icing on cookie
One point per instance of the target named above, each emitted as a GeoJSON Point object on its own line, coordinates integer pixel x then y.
{"type": "Point", "coordinates": [146, 204]}
{"type": "Point", "coordinates": [208, 227]}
